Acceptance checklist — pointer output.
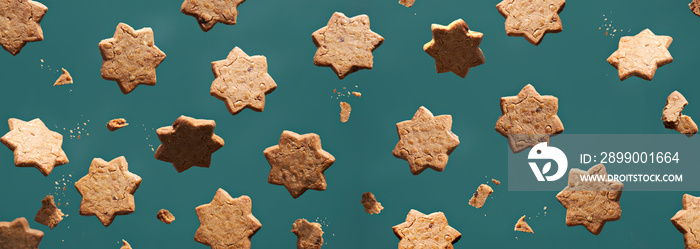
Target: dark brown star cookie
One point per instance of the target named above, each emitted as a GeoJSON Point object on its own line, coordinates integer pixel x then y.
{"type": "Point", "coordinates": [455, 48]}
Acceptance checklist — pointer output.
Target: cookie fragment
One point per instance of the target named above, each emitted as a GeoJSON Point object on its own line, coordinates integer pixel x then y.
{"type": "Point", "coordinates": [64, 79]}
{"type": "Point", "coordinates": [226, 222]}
{"type": "Point", "coordinates": [372, 206]}
{"type": "Point", "coordinates": [241, 81]}
{"type": "Point", "coordinates": [695, 7]}
{"type": "Point", "coordinates": [425, 141]}
{"type": "Point", "coordinates": [497, 182]}
{"type": "Point", "coordinates": [108, 190]}
{"type": "Point", "coordinates": [479, 197]}
{"type": "Point", "coordinates": [455, 48]}
{"type": "Point", "coordinates": [298, 163]}
{"type": "Point", "coordinates": [641, 55]}
{"type": "Point", "coordinates": [522, 226]}
{"type": "Point", "coordinates": [116, 124]}
{"type": "Point", "coordinates": [531, 19]}
{"type": "Point", "coordinates": [17, 234]}
{"type": "Point", "coordinates": [407, 3]}
{"type": "Point", "coordinates": [48, 215]}
{"type": "Point", "coordinates": [19, 24]}
{"type": "Point", "coordinates": [345, 44]}
{"type": "Point", "coordinates": [528, 119]}
{"type": "Point", "coordinates": [591, 203]}
{"type": "Point", "coordinates": [188, 142]}
{"type": "Point", "coordinates": [309, 234]}
{"type": "Point", "coordinates": [34, 145]}
{"type": "Point", "coordinates": [344, 111]}
{"type": "Point", "coordinates": [686, 221]}
{"type": "Point", "coordinates": [673, 117]}
{"type": "Point", "coordinates": [426, 231]}
{"type": "Point", "coordinates": [209, 12]}
{"type": "Point", "coordinates": [130, 58]}
{"type": "Point", "coordinates": [126, 245]}
{"type": "Point", "coordinates": [357, 94]}
{"type": "Point", "coordinates": [165, 216]}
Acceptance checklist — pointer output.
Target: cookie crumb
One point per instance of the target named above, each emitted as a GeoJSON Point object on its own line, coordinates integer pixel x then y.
{"type": "Point", "coordinates": [64, 79]}
{"type": "Point", "coordinates": [497, 182]}
{"type": "Point", "coordinates": [116, 124]}
{"type": "Point", "coordinates": [344, 111]}
{"type": "Point", "coordinates": [165, 216]}
{"type": "Point", "coordinates": [522, 226]}
{"type": "Point", "coordinates": [357, 94]}
{"type": "Point", "coordinates": [126, 245]}
{"type": "Point", "coordinates": [372, 206]}
{"type": "Point", "coordinates": [479, 198]}
{"type": "Point", "coordinates": [407, 3]}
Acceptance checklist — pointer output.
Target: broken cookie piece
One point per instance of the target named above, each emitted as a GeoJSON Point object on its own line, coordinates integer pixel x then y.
{"type": "Point", "coordinates": [479, 198]}
{"type": "Point", "coordinates": [126, 245]}
{"type": "Point", "coordinates": [344, 111]}
{"type": "Point", "coordinates": [64, 79]}
{"type": "Point", "coordinates": [116, 124]}
{"type": "Point", "coordinates": [49, 215]}
{"type": "Point", "coordinates": [673, 117]}
{"type": "Point", "coordinates": [357, 94]}
{"type": "Point", "coordinates": [695, 8]}
{"type": "Point", "coordinates": [165, 216]}
{"type": "Point", "coordinates": [309, 234]}
{"type": "Point", "coordinates": [407, 3]}
{"type": "Point", "coordinates": [372, 206]}
{"type": "Point", "coordinates": [497, 182]}
{"type": "Point", "coordinates": [522, 226]}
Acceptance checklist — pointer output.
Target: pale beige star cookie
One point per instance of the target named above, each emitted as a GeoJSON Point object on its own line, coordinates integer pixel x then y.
{"type": "Point", "coordinates": [641, 55]}
{"type": "Point", "coordinates": [34, 145]}
{"type": "Point", "coordinates": [241, 81]}
{"type": "Point", "coordinates": [532, 19]}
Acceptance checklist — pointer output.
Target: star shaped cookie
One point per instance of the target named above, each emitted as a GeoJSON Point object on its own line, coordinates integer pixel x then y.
{"type": "Point", "coordinates": [241, 81]}
{"type": "Point", "coordinates": [34, 145]}
{"type": "Point", "coordinates": [532, 19]}
{"type": "Point", "coordinates": [226, 222]}
{"type": "Point", "coordinates": [298, 163]}
{"type": "Point", "coordinates": [188, 142]}
{"type": "Point", "coordinates": [641, 55]}
{"type": "Point", "coordinates": [108, 190]}
{"type": "Point", "coordinates": [346, 44]}
{"type": "Point", "coordinates": [209, 12]}
{"type": "Point", "coordinates": [426, 231]}
{"type": "Point", "coordinates": [19, 23]}
{"type": "Point", "coordinates": [17, 234]}
{"type": "Point", "coordinates": [687, 221]}
{"type": "Point", "coordinates": [130, 58]}
{"type": "Point", "coordinates": [455, 48]}
{"type": "Point", "coordinates": [591, 203]}
{"type": "Point", "coordinates": [425, 141]}
{"type": "Point", "coordinates": [528, 119]}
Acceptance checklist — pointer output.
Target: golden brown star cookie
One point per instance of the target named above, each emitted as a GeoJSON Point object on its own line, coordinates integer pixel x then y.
{"type": "Point", "coordinates": [641, 55]}
{"type": "Point", "coordinates": [426, 231]}
{"type": "Point", "coordinates": [226, 222]}
{"type": "Point", "coordinates": [64, 79]}
{"type": "Point", "coordinates": [687, 221]}
{"type": "Point", "coordinates": [674, 119]}
{"type": "Point", "coordinates": [455, 48]}
{"type": "Point", "coordinates": [425, 141]}
{"type": "Point", "coordinates": [130, 58]}
{"type": "Point", "coordinates": [531, 19]}
{"type": "Point", "coordinates": [309, 234]}
{"type": "Point", "coordinates": [346, 44]}
{"type": "Point", "coordinates": [18, 235]}
{"type": "Point", "coordinates": [241, 81]}
{"type": "Point", "coordinates": [19, 23]}
{"type": "Point", "coordinates": [188, 142]}
{"type": "Point", "coordinates": [108, 190]}
{"type": "Point", "coordinates": [34, 145]}
{"type": "Point", "coordinates": [48, 215]}
{"type": "Point", "coordinates": [298, 163]}
{"type": "Point", "coordinates": [372, 206]}
{"type": "Point", "coordinates": [209, 12]}
{"type": "Point", "coordinates": [591, 203]}
{"type": "Point", "coordinates": [522, 226]}
{"type": "Point", "coordinates": [528, 119]}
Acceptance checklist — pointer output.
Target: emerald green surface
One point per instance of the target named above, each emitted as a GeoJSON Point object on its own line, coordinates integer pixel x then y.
{"type": "Point", "coordinates": [569, 65]}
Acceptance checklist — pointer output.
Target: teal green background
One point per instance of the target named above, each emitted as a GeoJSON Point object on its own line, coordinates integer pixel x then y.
{"type": "Point", "coordinates": [570, 65]}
